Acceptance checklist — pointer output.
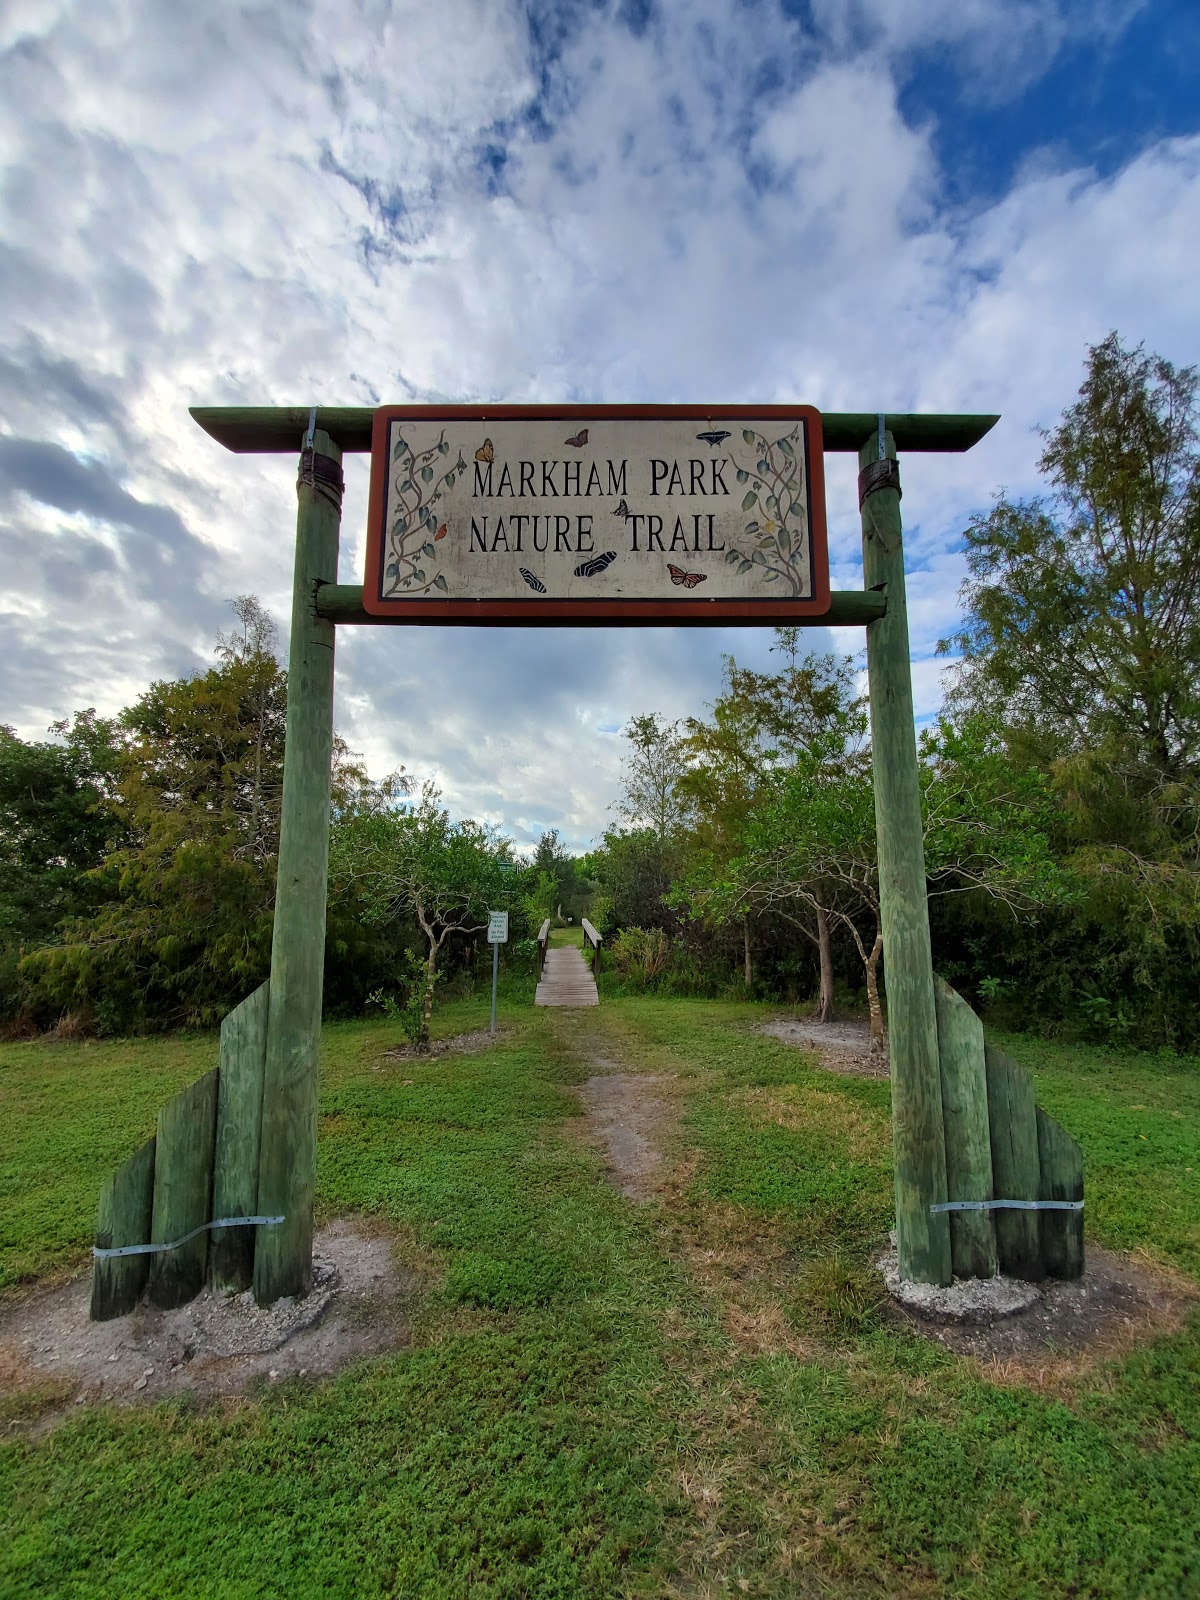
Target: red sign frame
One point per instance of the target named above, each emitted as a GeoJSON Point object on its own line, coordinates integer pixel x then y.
{"type": "Point", "coordinates": [620, 612]}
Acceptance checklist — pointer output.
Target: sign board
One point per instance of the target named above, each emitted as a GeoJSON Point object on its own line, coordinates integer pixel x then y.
{"type": "Point", "coordinates": [497, 927]}
{"type": "Point", "coordinates": [596, 513]}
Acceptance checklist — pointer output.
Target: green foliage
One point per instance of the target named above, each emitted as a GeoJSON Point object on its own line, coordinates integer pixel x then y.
{"type": "Point", "coordinates": [640, 955]}
{"type": "Point", "coordinates": [409, 1011]}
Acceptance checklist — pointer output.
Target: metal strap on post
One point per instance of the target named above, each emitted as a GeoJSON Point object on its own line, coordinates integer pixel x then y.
{"type": "Point", "coordinates": [156, 1249]}
{"type": "Point", "coordinates": [1009, 1205]}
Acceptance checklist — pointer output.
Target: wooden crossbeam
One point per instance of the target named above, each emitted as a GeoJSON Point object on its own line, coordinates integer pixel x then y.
{"type": "Point", "coordinates": [274, 430]}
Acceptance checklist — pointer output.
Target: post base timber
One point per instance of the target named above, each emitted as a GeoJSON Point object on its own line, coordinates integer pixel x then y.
{"type": "Point", "coordinates": [239, 1129]}
{"type": "Point", "coordinates": [123, 1217]}
{"type": "Point", "coordinates": [1000, 1145]}
{"type": "Point", "coordinates": [201, 1164]}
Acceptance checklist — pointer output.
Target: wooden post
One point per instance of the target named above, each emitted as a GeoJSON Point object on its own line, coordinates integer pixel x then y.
{"type": "Point", "coordinates": [123, 1216]}
{"type": "Point", "coordinates": [1061, 1163]}
{"type": "Point", "coordinates": [239, 1127]}
{"type": "Point", "coordinates": [288, 1159]}
{"type": "Point", "coordinates": [183, 1166]}
{"type": "Point", "coordinates": [1016, 1171]}
{"type": "Point", "coordinates": [965, 1118]}
{"type": "Point", "coordinates": [918, 1140]}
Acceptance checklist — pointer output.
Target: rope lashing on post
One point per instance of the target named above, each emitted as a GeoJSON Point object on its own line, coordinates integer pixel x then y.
{"type": "Point", "coordinates": [881, 474]}
{"type": "Point", "coordinates": [1008, 1205]}
{"type": "Point", "coordinates": [320, 472]}
{"type": "Point", "coordinates": [155, 1249]}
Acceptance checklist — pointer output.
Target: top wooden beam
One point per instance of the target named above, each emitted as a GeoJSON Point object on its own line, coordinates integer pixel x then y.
{"type": "Point", "coordinates": [278, 430]}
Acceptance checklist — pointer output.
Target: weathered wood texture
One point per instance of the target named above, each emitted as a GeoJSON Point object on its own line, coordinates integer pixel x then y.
{"type": "Point", "coordinates": [968, 1143]}
{"type": "Point", "coordinates": [593, 940]}
{"type": "Point", "coordinates": [1061, 1163]}
{"type": "Point", "coordinates": [566, 980]}
{"type": "Point", "coordinates": [288, 1159]}
{"type": "Point", "coordinates": [239, 1128]}
{"type": "Point", "coordinates": [543, 942]}
{"type": "Point", "coordinates": [342, 602]}
{"type": "Point", "coordinates": [1016, 1170]}
{"type": "Point", "coordinates": [918, 1138]}
{"type": "Point", "coordinates": [273, 430]}
{"type": "Point", "coordinates": [123, 1216]}
{"type": "Point", "coordinates": [183, 1170]}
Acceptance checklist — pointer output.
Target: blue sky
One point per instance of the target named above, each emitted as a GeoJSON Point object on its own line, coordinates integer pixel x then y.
{"type": "Point", "coordinates": [859, 204]}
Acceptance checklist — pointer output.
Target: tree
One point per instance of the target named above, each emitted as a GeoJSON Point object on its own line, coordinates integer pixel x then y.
{"type": "Point", "coordinates": [654, 765]}
{"type": "Point", "coordinates": [416, 862]}
{"type": "Point", "coordinates": [1082, 610]}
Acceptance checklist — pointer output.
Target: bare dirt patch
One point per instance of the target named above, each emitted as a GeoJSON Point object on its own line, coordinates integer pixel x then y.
{"type": "Point", "coordinates": [1119, 1303]}
{"type": "Point", "coordinates": [217, 1344]}
{"type": "Point", "coordinates": [843, 1047]}
{"type": "Point", "coordinates": [460, 1044]}
{"type": "Point", "coordinates": [628, 1118]}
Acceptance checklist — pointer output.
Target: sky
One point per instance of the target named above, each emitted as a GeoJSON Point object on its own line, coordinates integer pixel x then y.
{"type": "Point", "coordinates": [861, 205]}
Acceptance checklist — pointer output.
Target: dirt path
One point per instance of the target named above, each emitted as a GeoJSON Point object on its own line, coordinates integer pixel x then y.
{"type": "Point", "coordinates": [843, 1047]}
{"type": "Point", "coordinates": [627, 1119]}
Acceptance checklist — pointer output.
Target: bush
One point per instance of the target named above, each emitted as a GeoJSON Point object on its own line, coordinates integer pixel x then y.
{"type": "Point", "coordinates": [640, 955]}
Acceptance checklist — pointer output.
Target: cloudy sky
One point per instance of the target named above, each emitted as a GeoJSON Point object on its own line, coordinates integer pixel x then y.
{"type": "Point", "coordinates": [858, 204]}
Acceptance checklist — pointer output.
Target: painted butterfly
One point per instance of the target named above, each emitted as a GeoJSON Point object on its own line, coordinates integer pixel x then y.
{"type": "Point", "coordinates": [440, 534]}
{"type": "Point", "coordinates": [589, 569]}
{"type": "Point", "coordinates": [485, 452]}
{"type": "Point", "coordinates": [623, 511]}
{"type": "Point", "coordinates": [689, 580]}
{"type": "Point", "coordinates": [535, 584]}
{"type": "Point", "coordinates": [713, 437]}
{"type": "Point", "coordinates": [579, 440]}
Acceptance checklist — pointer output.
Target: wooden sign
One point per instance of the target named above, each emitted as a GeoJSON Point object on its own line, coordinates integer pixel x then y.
{"type": "Point", "coordinates": [603, 513]}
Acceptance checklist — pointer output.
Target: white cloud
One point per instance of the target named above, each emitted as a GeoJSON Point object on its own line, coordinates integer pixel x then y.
{"type": "Point", "coordinates": [245, 205]}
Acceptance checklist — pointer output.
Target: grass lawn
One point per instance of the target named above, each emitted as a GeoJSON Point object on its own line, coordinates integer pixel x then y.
{"type": "Point", "coordinates": [693, 1398]}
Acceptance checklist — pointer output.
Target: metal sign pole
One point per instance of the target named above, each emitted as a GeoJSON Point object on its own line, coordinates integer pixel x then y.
{"type": "Point", "coordinates": [495, 970]}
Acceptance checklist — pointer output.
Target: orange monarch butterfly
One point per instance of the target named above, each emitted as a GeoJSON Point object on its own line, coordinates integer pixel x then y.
{"type": "Point", "coordinates": [440, 534]}
{"type": "Point", "coordinates": [579, 440]}
{"type": "Point", "coordinates": [689, 580]}
{"type": "Point", "coordinates": [485, 452]}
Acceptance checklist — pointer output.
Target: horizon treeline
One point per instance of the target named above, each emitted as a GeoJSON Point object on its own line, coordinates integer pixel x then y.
{"type": "Point", "coordinates": [1061, 789]}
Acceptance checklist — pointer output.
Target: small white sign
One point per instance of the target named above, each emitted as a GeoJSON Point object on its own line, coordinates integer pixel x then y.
{"type": "Point", "coordinates": [497, 927]}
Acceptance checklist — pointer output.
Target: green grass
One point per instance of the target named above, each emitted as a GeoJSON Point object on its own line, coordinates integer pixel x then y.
{"type": "Point", "coordinates": [599, 1399]}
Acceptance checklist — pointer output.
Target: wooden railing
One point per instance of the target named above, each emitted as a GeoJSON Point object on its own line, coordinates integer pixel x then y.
{"type": "Point", "coordinates": [543, 941]}
{"type": "Point", "coordinates": [592, 938]}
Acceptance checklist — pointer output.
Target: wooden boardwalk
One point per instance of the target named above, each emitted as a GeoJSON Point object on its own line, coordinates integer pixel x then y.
{"type": "Point", "coordinates": [566, 980]}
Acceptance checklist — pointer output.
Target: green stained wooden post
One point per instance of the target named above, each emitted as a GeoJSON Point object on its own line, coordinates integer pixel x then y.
{"type": "Point", "coordinates": [965, 1118]}
{"type": "Point", "coordinates": [239, 1125]}
{"type": "Point", "coordinates": [288, 1160]}
{"type": "Point", "coordinates": [1061, 1163]}
{"type": "Point", "coordinates": [1016, 1171]}
{"type": "Point", "coordinates": [918, 1140]}
{"type": "Point", "coordinates": [123, 1216]}
{"type": "Point", "coordinates": [183, 1166]}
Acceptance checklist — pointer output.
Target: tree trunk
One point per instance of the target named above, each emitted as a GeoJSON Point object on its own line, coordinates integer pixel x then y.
{"type": "Point", "coordinates": [825, 953]}
{"type": "Point", "coordinates": [749, 970]}
{"type": "Point", "coordinates": [871, 966]}
{"type": "Point", "coordinates": [427, 1007]}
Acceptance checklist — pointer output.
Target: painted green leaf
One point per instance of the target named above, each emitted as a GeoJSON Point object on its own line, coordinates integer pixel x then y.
{"type": "Point", "coordinates": [743, 566]}
{"type": "Point", "coordinates": [427, 474]}
{"type": "Point", "coordinates": [398, 452]}
{"type": "Point", "coordinates": [443, 447]}
{"type": "Point", "coordinates": [449, 480]}
{"type": "Point", "coordinates": [427, 550]}
{"type": "Point", "coordinates": [749, 500]}
{"type": "Point", "coordinates": [439, 582]}
{"type": "Point", "coordinates": [771, 577]}
{"type": "Point", "coordinates": [786, 446]}
{"type": "Point", "coordinates": [748, 435]}
{"type": "Point", "coordinates": [752, 527]}
{"type": "Point", "coordinates": [772, 503]}
{"type": "Point", "coordinates": [731, 556]}
{"type": "Point", "coordinates": [419, 574]}
{"type": "Point", "coordinates": [793, 486]}
{"type": "Point", "coordinates": [393, 569]}
{"type": "Point", "coordinates": [784, 543]}
{"type": "Point", "coordinates": [400, 527]}
{"type": "Point", "coordinates": [762, 466]}
{"type": "Point", "coordinates": [742, 475]}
